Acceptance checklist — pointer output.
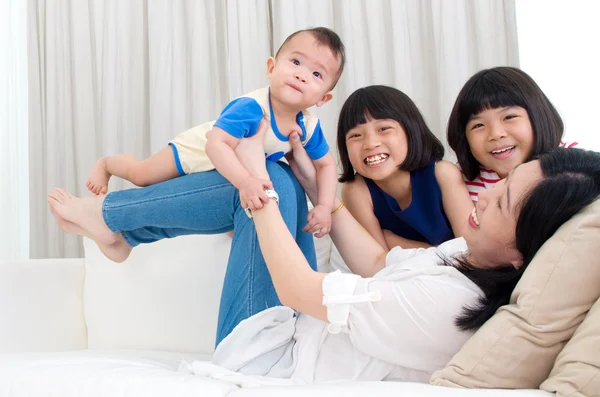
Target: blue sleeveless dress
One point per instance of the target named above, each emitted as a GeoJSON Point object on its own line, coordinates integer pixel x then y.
{"type": "Point", "coordinates": [424, 219]}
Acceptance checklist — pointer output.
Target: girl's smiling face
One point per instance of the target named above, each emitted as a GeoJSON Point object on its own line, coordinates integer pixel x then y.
{"type": "Point", "coordinates": [501, 138]}
{"type": "Point", "coordinates": [377, 148]}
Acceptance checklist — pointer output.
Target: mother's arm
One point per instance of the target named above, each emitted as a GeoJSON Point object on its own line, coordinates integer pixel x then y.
{"type": "Point", "coordinates": [296, 284]}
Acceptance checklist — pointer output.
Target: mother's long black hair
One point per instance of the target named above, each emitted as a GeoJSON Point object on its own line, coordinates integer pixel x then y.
{"type": "Point", "coordinates": [571, 181]}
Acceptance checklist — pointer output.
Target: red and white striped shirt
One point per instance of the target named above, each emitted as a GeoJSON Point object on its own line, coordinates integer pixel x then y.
{"type": "Point", "coordinates": [487, 178]}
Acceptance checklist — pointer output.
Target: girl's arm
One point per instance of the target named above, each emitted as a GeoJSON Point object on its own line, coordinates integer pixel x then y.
{"type": "Point", "coordinates": [393, 240]}
{"type": "Point", "coordinates": [455, 196]}
{"type": "Point", "coordinates": [358, 200]}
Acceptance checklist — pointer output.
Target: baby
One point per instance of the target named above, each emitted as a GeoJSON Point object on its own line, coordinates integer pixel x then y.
{"type": "Point", "coordinates": [302, 74]}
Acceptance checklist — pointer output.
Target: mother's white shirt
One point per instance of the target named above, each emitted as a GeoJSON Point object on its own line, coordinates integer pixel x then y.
{"type": "Point", "coordinates": [397, 325]}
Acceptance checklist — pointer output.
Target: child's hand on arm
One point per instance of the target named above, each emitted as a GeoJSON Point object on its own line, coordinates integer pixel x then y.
{"type": "Point", "coordinates": [252, 192]}
{"type": "Point", "coordinates": [220, 148]}
{"type": "Point", "coordinates": [319, 221]}
{"type": "Point", "coordinates": [320, 215]}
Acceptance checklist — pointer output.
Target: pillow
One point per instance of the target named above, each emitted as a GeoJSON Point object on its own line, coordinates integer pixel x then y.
{"type": "Point", "coordinates": [517, 347]}
{"type": "Point", "coordinates": [576, 371]}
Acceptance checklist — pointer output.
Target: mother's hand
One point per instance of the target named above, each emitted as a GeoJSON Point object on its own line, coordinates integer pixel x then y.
{"type": "Point", "coordinates": [303, 167]}
{"type": "Point", "coordinates": [251, 152]}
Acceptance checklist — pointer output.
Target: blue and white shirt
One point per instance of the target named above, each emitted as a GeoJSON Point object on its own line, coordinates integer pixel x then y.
{"type": "Point", "coordinates": [241, 118]}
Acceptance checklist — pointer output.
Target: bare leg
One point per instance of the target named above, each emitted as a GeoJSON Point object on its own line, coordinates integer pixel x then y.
{"type": "Point", "coordinates": [157, 168]}
{"type": "Point", "coordinates": [116, 252]}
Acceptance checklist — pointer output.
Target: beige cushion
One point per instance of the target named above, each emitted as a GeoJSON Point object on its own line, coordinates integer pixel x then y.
{"type": "Point", "coordinates": [577, 368]}
{"type": "Point", "coordinates": [517, 347]}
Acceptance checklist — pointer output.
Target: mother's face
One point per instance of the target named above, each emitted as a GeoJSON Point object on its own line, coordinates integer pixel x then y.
{"type": "Point", "coordinates": [491, 236]}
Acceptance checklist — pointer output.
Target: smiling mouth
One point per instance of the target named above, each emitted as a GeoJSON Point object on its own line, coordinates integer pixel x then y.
{"type": "Point", "coordinates": [503, 152]}
{"type": "Point", "coordinates": [376, 159]}
{"type": "Point", "coordinates": [473, 220]}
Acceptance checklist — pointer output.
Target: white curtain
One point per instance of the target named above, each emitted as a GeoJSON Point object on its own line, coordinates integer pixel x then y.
{"type": "Point", "coordinates": [14, 165]}
{"type": "Point", "coordinates": [111, 76]}
{"type": "Point", "coordinates": [426, 48]}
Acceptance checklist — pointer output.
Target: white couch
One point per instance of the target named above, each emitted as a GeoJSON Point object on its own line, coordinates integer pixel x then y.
{"type": "Point", "coordinates": [90, 327]}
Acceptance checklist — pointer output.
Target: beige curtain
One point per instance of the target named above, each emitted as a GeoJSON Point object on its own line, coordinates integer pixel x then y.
{"type": "Point", "coordinates": [109, 76]}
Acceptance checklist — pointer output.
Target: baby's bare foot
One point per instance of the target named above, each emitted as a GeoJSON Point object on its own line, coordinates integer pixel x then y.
{"type": "Point", "coordinates": [97, 182]}
{"type": "Point", "coordinates": [85, 214]}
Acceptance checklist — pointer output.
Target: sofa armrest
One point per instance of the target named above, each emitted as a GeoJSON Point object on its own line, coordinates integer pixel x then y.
{"type": "Point", "coordinates": [41, 305]}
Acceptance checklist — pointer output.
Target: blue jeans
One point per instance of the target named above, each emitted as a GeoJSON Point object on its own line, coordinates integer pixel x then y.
{"type": "Point", "coordinates": [206, 203]}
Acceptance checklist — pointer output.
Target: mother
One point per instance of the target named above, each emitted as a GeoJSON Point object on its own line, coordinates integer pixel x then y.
{"type": "Point", "coordinates": [402, 314]}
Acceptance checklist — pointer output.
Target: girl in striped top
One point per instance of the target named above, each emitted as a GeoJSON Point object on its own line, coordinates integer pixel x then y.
{"type": "Point", "coordinates": [501, 118]}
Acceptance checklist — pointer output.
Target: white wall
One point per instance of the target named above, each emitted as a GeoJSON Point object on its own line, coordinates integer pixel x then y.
{"type": "Point", "coordinates": [559, 46]}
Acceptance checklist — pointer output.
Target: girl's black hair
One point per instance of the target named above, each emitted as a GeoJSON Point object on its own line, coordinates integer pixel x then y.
{"type": "Point", "coordinates": [571, 181]}
{"type": "Point", "coordinates": [383, 102]}
{"type": "Point", "coordinates": [496, 88]}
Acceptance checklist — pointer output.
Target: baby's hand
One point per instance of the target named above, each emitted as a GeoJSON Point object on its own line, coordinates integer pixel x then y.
{"type": "Point", "coordinates": [252, 193]}
{"type": "Point", "coordinates": [319, 221]}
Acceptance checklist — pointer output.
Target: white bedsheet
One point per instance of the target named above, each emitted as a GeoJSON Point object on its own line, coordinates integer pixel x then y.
{"type": "Point", "coordinates": [103, 373]}
{"type": "Point", "coordinates": [134, 373]}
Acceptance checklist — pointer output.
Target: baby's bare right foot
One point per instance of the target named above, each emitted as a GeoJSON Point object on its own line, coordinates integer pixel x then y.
{"type": "Point", "coordinates": [97, 182]}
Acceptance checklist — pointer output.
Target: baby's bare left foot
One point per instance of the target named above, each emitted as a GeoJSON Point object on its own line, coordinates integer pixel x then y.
{"type": "Point", "coordinates": [97, 182]}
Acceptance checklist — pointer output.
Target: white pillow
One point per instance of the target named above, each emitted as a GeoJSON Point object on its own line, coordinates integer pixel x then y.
{"type": "Point", "coordinates": [164, 297]}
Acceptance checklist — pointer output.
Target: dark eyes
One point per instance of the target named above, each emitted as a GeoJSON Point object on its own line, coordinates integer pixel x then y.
{"type": "Point", "coordinates": [316, 74]}
{"type": "Point", "coordinates": [507, 117]}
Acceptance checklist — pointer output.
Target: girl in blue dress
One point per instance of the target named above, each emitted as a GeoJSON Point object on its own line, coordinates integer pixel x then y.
{"type": "Point", "coordinates": [395, 182]}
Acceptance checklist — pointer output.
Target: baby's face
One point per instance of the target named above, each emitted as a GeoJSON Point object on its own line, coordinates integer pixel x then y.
{"type": "Point", "coordinates": [303, 73]}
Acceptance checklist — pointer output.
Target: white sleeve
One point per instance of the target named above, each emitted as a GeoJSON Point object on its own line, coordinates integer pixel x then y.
{"type": "Point", "coordinates": [407, 322]}
{"type": "Point", "coordinates": [399, 254]}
